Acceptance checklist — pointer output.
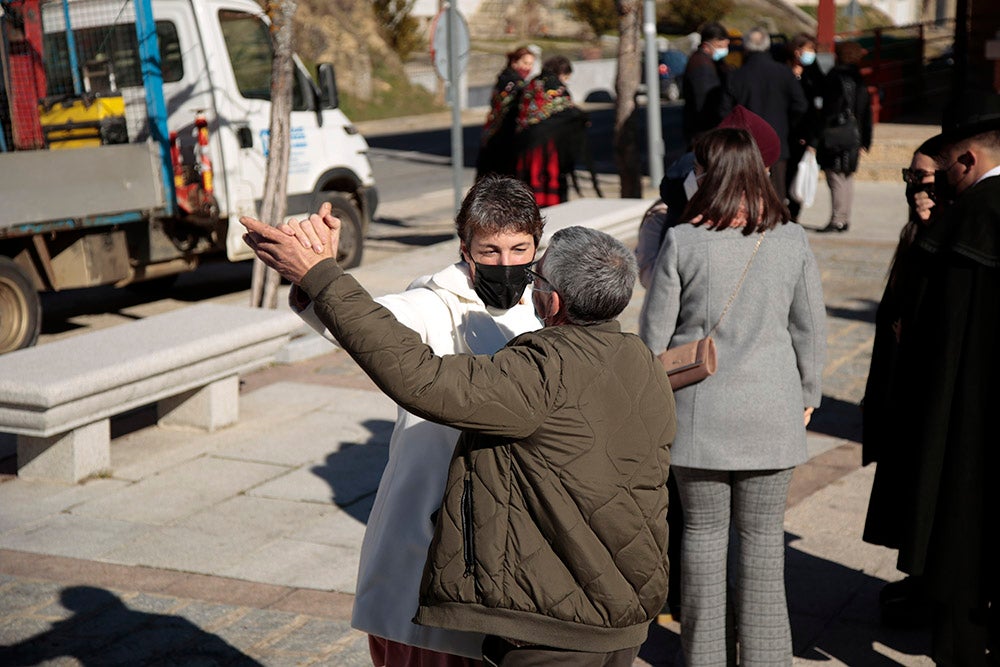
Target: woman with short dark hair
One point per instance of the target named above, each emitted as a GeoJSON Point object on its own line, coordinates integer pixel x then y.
{"type": "Point", "coordinates": [734, 270]}
{"type": "Point", "coordinates": [496, 152]}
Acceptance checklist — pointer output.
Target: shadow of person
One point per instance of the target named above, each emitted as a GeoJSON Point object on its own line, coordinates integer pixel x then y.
{"type": "Point", "coordinates": [835, 614]}
{"type": "Point", "coordinates": [838, 419]}
{"type": "Point", "coordinates": [103, 630]}
{"type": "Point", "coordinates": [353, 471]}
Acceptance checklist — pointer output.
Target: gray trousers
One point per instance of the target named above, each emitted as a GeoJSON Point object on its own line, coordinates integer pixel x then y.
{"type": "Point", "coordinates": [841, 196]}
{"type": "Point", "coordinates": [755, 502]}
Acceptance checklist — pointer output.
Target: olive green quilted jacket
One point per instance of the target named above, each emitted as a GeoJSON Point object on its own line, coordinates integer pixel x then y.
{"type": "Point", "coordinates": [553, 524]}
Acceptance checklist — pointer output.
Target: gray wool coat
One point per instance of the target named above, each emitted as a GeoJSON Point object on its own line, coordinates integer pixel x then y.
{"type": "Point", "coordinates": [771, 345]}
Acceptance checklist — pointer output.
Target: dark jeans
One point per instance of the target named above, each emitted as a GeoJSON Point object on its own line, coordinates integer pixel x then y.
{"type": "Point", "coordinates": [498, 652]}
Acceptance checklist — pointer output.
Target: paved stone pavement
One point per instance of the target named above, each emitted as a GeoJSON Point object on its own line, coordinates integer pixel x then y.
{"type": "Point", "coordinates": [240, 547]}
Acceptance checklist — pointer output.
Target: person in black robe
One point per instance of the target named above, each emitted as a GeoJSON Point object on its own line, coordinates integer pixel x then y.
{"type": "Point", "coordinates": [901, 602]}
{"type": "Point", "coordinates": [949, 381]}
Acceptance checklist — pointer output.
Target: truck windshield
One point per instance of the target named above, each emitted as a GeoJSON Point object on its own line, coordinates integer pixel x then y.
{"type": "Point", "coordinates": [248, 42]}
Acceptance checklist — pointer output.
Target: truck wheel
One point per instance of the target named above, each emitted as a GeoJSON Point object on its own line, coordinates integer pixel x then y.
{"type": "Point", "coordinates": [352, 245]}
{"type": "Point", "coordinates": [20, 308]}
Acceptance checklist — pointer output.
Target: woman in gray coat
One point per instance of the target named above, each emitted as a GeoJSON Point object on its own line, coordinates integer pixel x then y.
{"type": "Point", "coordinates": [741, 431]}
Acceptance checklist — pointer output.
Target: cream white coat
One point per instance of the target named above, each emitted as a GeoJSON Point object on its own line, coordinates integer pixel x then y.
{"type": "Point", "coordinates": [445, 310]}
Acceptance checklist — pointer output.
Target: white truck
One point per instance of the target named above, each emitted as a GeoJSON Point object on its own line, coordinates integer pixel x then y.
{"type": "Point", "coordinates": [135, 135]}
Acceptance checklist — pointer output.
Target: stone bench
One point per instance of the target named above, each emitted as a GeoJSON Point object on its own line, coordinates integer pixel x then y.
{"type": "Point", "coordinates": [58, 398]}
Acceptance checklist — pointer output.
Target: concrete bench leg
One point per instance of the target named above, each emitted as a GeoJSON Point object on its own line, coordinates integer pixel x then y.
{"type": "Point", "coordinates": [67, 457]}
{"type": "Point", "coordinates": [211, 407]}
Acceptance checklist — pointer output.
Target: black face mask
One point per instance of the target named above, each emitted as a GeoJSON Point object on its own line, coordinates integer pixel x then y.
{"type": "Point", "coordinates": [944, 192]}
{"type": "Point", "coordinates": [500, 286]}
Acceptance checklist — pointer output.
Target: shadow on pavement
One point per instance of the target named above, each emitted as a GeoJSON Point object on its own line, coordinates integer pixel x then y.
{"type": "Point", "coordinates": [835, 615]}
{"type": "Point", "coordinates": [838, 419]}
{"type": "Point", "coordinates": [864, 313]}
{"type": "Point", "coordinates": [355, 469]}
{"type": "Point", "coordinates": [102, 630]}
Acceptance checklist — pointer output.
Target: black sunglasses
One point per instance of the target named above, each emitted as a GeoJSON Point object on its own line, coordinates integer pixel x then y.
{"type": "Point", "coordinates": [915, 176]}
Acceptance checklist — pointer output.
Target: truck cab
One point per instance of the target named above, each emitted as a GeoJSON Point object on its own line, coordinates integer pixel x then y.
{"type": "Point", "coordinates": [213, 78]}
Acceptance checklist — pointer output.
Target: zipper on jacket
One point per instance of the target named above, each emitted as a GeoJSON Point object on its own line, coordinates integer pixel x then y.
{"type": "Point", "coordinates": [468, 546]}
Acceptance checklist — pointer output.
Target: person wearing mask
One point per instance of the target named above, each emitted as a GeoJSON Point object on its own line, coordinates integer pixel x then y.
{"type": "Point", "coordinates": [551, 535]}
{"type": "Point", "coordinates": [948, 389]}
{"type": "Point", "coordinates": [496, 150]}
{"type": "Point", "coordinates": [769, 89]}
{"type": "Point", "coordinates": [550, 133]}
{"type": "Point", "coordinates": [846, 103]}
{"type": "Point", "coordinates": [472, 307]}
{"type": "Point", "coordinates": [741, 431]}
{"type": "Point", "coordinates": [704, 82]}
{"type": "Point", "coordinates": [804, 132]}
{"type": "Point", "coordinates": [901, 602]}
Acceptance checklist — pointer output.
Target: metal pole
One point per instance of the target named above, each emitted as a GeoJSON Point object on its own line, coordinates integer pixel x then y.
{"type": "Point", "coordinates": [654, 130]}
{"type": "Point", "coordinates": [457, 150]}
{"type": "Point", "coordinates": [74, 64]}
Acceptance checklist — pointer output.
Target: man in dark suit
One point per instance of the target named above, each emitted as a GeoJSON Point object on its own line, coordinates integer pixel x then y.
{"type": "Point", "coordinates": [950, 375]}
{"type": "Point", "coordinates": [704, 81]}
{"type": "Point", "coordinates": [770, 90]}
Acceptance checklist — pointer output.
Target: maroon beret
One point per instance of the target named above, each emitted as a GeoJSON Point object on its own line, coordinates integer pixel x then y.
{"type": "Point", "coordinates": [765, 136]}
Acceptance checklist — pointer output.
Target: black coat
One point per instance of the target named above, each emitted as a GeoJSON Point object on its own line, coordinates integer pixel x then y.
{"type": "Point", "coordinates": [770, 90]}
{"type": "Point", "coordinates": [704, 81]}
{"type": "Point", "coordinates": [836, 104]}
{"type": "Point", "coordinates": [807, 127]}
{"type": "Point", "coordinates": [949, 360]}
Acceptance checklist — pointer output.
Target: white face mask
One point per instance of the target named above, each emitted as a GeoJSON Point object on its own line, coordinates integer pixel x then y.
{"type": "Point", "coordinates": [690, 185]}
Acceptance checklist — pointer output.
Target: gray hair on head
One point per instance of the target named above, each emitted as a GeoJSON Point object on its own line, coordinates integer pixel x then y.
{"type": "Point", "coordinates": [757, 40]}
{"type": "Point", "coordinates": [593, 272]}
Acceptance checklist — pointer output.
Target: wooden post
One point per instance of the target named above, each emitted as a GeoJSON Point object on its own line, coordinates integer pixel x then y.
{"type": "Point", "coordinates": [274, 201]}
{"type": "Point", "coordinates": [626, 86]}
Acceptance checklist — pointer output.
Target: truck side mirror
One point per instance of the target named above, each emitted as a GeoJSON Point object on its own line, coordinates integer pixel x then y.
{"type": "Point", "coordinates": [328, 86]}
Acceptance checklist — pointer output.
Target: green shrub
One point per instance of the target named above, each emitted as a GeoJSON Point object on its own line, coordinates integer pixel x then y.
{"type": "Point", "coordinates": [600, 15]}
{"type": "Point", "coordinates": [686, 16]}
{"type": "Point", "coordinates": [393, 96]}
{"type": "Point", "coordinates": [400, 30]}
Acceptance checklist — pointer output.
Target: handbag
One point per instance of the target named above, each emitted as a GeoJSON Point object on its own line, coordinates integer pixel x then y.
{"type": "Point", "coordinates": [692, 362]}
{"type": "Point", "coordinates": [846, 134]}
{"type": "Point", "coordinates": [803, 188]}
{"type": "Point", "coordinates": [841, 138]}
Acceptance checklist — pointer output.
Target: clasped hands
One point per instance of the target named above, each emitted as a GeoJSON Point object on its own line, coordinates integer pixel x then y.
{"type": "Point", "coordinates": [294, 247]}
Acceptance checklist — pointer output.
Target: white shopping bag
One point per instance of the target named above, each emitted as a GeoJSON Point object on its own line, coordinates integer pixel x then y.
{"type": "Point", "coordinates": [803, 188]}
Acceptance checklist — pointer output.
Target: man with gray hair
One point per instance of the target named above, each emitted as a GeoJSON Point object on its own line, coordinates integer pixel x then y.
{"type": "Point", "coordinates": [551, 537]}
{"type": "Point", "coordinates": [770, 90]}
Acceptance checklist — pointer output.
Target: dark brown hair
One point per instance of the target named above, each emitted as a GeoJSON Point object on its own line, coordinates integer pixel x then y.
{"type": "Point", "coordinates": [517, 54]}
{"type": "Point", "coordinates": [850, 53]}
{"type": "Point", "coordinates": [497, 204]}
{"type": "Point", "coordinates": [557, 65]}
{"type": "Point", "coordinates": [735, 177]}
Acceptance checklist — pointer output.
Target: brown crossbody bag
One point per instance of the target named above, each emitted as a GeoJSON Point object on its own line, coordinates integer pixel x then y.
{"type": "Point", "coordinates": [693, 362]}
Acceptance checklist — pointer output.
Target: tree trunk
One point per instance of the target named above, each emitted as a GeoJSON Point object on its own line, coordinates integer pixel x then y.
{"type": "Point", "coordinates": [264, 283]}
{"type": "Point", "coordinates": [626, 86]}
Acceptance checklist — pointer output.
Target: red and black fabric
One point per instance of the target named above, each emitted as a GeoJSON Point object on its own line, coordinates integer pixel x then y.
{"type": "Point", "coordinates": [496, 148]}
{"type": "Point", "coordinates": [550, 138]}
